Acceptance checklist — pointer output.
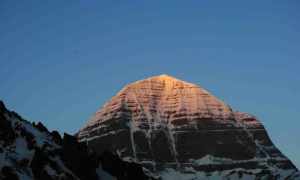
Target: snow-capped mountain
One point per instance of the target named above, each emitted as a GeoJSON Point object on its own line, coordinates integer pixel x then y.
{"type": "Point", "coordinates": [28, 151]}
{"type": "Point", "coordinates": [178, 130]}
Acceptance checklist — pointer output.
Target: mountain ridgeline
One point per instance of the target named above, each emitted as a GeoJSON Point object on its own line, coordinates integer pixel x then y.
{"type": "Point", "coordinates": [178, 130]}
{"type": "Point", "coordinates": [160, 128]}
{"type": "Point", "coordinates": [28, 151]}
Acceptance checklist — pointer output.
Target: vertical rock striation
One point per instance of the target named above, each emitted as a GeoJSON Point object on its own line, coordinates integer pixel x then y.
{"type": "Point", "coordinates": [175, 128]}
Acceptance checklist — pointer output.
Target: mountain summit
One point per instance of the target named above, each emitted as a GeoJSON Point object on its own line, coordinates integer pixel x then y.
{"type": "Point", "coordinates": [178, 129]}
{"type": "Point", "coordinates": [163, 98]}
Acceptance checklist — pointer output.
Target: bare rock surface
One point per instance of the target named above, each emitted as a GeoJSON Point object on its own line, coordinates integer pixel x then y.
{"type": "Point", "coordinates": [176, 129]}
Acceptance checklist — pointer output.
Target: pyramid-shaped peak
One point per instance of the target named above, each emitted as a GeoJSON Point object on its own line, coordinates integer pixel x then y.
{"type": "Point", "coordinates": [162, 98]}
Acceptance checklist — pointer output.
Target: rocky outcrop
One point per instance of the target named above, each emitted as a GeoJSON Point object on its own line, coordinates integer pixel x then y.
{"type": "Point", "coordinates": [121, 169]}
{"type": "Point", "coordinates": [29, 151]}
{"type": "Point", "coordinates": [177, 128]}
{"type": "Point", "coordinates": [77, 157]}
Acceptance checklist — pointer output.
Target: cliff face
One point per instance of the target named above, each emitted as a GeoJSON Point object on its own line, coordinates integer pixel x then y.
{"type": "Point", "coordinates": [174, 128]}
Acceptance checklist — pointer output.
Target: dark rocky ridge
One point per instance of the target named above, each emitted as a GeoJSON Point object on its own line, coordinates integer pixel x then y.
{"type": "Point", "coordinates": [167, 124]}
{"type": "Point", "coordinates": [30, 151]}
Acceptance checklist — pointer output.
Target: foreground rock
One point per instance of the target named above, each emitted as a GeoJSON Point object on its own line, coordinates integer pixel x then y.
{"type": "Point", "coordinates": [179, 130]}
{"type": "Point", "coordinates": [29, 151]}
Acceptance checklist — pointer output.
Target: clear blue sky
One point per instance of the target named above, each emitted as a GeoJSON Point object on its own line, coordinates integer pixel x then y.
{"type": "Point", "coordinates": [60, 61]}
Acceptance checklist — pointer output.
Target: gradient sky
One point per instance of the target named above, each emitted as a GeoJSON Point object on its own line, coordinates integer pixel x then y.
{"type": "Point", "coordinates": [60, 61]}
